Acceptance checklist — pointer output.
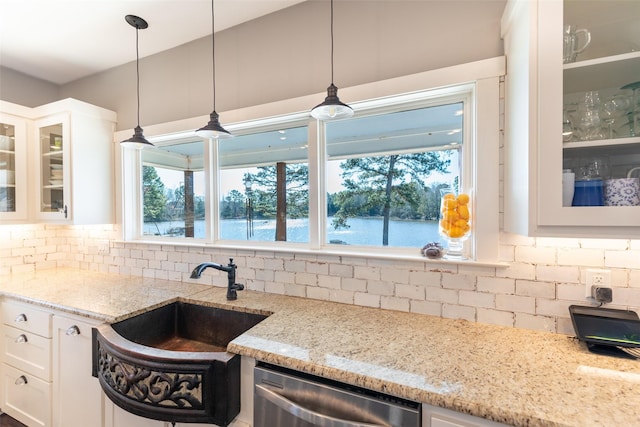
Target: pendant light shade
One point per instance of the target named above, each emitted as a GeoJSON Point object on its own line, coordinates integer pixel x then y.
{"type": "Point", "coordinates": [137, 140]}
{"type": "Point", "coordinates": [213, 129]}
{"type": "Point", "coordinates": [332, 108]}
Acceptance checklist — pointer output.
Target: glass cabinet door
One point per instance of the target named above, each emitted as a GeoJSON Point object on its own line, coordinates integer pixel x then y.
{"type": "Point", "coordinates": [13, 182]}
{"type": "Point", "coordinates": [7, 168]}
{"type": "Point", "coordinates": [601, 103]}
{"type": "Point", "coordinates": [53, 146]}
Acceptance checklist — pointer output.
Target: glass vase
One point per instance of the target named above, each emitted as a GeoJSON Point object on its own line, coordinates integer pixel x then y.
{"type": "Point", "coordinates": [455, 222]}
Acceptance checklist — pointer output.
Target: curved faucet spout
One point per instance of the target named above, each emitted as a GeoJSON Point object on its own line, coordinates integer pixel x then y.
{"type": "Point", "coordinates": [230, 269]}
{"type": "Point", "coordinates": [197, 272]}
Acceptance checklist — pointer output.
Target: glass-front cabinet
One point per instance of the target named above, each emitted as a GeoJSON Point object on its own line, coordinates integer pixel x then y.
{"type": "Point", "coordinates": [57, 163]}
{"type": "Point", "coordinates": [13, 183]}
{"type": "Point", "coordinates": [53, 147]}
{"type": "Point", "coordinates": [572, 129]}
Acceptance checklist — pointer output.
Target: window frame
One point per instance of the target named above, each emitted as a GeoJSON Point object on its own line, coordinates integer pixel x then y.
{"type": "Point", "coordinates": [481, 79]}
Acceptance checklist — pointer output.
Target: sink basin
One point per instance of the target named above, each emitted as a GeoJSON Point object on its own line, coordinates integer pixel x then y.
{"type": "Point", "coordinates": [171, 363]}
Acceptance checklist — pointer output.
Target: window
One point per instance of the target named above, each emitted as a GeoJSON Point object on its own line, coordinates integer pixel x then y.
{"type": "Point", "coordinates": [365, 186]}
{"type": "Point", "coordinates": [385, 172]}
{"type": "Point", "coordinates": [173, 191]}
{"type": "Point", "coordinates": [264, 186]}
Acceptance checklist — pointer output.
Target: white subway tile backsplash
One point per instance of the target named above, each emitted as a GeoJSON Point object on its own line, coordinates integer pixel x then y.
{"type": "Point", "coordinates": [541, 278]}
{"type": "Point", "coordinates": [430, 308]}
{"type": "Point", "coordinates": [367, 300]}
{"type": "Point", "coordinates": [535, 254]}
{"type": "Point", "coordinates": [516, 303]}
{"type": "Point", "coordinates": [622, 259]}
{"type": "Point", "coordinates": [496, 285]}
{"type": "Point", "coordinates": [414, 292]}
{"type": "Point", "coordinates": [356, 285]}
{"type": "Point", "coordinates": [583, 257]}
{"type": "Point", "coordinates": [495, 317]}
{"type": "Point", "coordinates": [530, 288]}
{"type": "Point", "coordinates": [459, 312]}
{"type": "Point", "coordinates": [535, 322]}
{"type": "Point", "coordinates": [378, 287]}
{"type": "Point", "coordinates": [555, 273]}
{"type": "Point", "coordinates": [394, 303]}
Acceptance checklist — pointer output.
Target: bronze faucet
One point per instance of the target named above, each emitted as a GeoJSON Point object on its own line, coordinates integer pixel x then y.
{"type": "Point", "coordinates": [230, 269]}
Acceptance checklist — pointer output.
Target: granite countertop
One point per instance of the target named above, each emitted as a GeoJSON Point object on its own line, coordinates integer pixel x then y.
{"type": "Point", "coordinates": [509, 375]}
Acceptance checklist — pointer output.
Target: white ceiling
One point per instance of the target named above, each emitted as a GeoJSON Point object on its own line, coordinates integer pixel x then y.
{"type": "Point", "coordinates": [64, 40]}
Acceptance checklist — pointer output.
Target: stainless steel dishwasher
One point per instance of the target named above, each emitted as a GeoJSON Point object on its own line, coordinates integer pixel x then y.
{"type": "Point", "coordinates": [286, 398]}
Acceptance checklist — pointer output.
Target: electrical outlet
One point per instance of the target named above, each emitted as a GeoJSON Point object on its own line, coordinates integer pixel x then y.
{"type": "Point", "coordinates": [597, 278]}
{"type": "Point", "coordinates": [103, 247]}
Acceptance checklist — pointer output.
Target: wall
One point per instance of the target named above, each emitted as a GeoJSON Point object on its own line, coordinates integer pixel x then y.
{"type": "Point", "coordinates": [25, 90]}
{"type": "Point", "coordinates": [287, 55]}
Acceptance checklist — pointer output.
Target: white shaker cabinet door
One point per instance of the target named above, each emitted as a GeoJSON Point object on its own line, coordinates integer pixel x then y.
{"type": "Point", "coordinates": [77, 397]}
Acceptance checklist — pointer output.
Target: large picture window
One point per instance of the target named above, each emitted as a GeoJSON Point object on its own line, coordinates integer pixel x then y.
{"type": "Point", "coordinates": [173, 190]}
{"type": "Point", "coordinates": [264, 186]}
{"type": "Point", "coordinates": [370, 185]}
{"type": "Point", "coordinates": [386, 173]}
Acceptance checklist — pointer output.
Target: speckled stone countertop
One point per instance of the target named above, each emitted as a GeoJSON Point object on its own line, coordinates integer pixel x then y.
{"type": "Point", "coordinates": [509, 375]}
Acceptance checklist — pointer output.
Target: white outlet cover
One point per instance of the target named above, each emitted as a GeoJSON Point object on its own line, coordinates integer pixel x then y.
{"type": "Point", "coordinates": [595, 277]}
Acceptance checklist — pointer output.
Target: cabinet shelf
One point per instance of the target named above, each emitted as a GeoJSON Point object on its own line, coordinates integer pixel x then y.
{"type": "Point", "coordinates": [602, 73]}
{"type": "Point", "coordinates": [53, 154]}
{"type": "Point", "coordinates": [7, 152]}
{"type": "Point", "coordinates": [611, 143]}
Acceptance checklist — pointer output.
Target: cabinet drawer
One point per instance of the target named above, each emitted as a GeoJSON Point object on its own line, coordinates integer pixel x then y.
{"type": "Point", "coordinates": [25, 397]}
{"type": "Point", "coordinates": [27, 318]}
{"type": "Point", "coordinates": [26, 351]}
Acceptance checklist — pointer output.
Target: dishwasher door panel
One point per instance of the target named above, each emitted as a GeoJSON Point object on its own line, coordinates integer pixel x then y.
{"type": "Point", "coordinates": [287, 399]}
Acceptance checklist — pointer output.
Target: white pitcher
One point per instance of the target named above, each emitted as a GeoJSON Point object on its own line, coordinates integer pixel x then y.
{"type": "Point", "coordinates": [572, 46]}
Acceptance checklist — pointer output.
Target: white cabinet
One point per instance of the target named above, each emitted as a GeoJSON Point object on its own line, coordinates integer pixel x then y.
{"type": "Point", "coordinates": [77, 396]}
{"type": "Point", "coordinates": [433, 416]}
{"type": "Point", "coordinates": [66, 151]}
{"type": "Point", "coordinates": [539, 87]}
{"type": "Point", "coordinates": [13, 166]}
{"type": "Point", "coordinates": [25, 371]}
{"type": "Point", "coordinates": [74, 163]}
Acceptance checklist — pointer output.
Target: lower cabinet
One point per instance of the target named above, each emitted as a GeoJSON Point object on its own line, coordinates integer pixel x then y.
{"type": "Point", "coordinates": [433, 416]}
{"type": "Point", "coordinates": [77, 396]}
{"type": "Point", "coordinates": [25, 368]}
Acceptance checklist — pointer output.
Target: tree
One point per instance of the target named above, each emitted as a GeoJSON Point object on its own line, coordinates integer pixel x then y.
{"type": "Point", "coordinates": [154, 196]}
{"type": "Point", "coordinates": [379, 183]}
{"type": "Point", "coordinates": [264, 191]}
{"type": "Point", "coordinates": [233, 205]}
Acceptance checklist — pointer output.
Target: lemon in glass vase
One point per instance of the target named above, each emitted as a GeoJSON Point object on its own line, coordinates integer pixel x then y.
{"type": "Point", "coordinates": [455, 221]}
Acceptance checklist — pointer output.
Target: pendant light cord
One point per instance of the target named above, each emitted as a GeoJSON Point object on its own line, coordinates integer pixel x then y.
{"type": "Point", "coordinates": [138, 73]}
{"type": "Point", "coordinates": [331, 41]}
{"type": "Point", "coordinates": [213, 54]}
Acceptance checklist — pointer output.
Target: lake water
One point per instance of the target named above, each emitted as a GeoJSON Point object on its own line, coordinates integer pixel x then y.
{"type": "Point", "coordinates": [363, 231]}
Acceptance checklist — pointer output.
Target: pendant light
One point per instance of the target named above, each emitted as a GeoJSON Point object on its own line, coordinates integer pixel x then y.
{"type": "Point", "coordinates": [137, 140]}
{"type": "Point", "coordinates": [213, 129]}
{"type": "Point", "coordinates": [332, 108]}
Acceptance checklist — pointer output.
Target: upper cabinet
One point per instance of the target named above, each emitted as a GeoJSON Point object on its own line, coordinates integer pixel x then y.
{"type": "Point", "coordinates": [13, 168]}
{"type": "Point", "coordinates": [572, 118]}
{"type": "Point", "coordinates": [70, 163]}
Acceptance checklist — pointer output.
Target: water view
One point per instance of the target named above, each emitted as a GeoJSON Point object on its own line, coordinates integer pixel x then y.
{"type": "Point", "coordinates": [363, 231]}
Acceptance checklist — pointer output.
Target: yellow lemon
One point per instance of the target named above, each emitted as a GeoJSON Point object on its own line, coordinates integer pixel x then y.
{"type": "Point", "coordinates": [456, 232]}
{"type": "Point", "coordinates": [463, 198]}
{"type": "Point", "coordinates": [463, 211]}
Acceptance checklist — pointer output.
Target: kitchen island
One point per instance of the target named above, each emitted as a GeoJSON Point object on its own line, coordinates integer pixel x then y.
{"type": "Point", "coordinates": [509, 375]}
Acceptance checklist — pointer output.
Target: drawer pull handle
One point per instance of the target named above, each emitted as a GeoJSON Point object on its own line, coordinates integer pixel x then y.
{"type": "Point", "coordinates": [20, 318]}
{"type": "Point", "coordinates": [22, 380]}
{"type": "Point", "coordinates": [73, 331]}
{"type": "Point", "coordinates": [21, 338]}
